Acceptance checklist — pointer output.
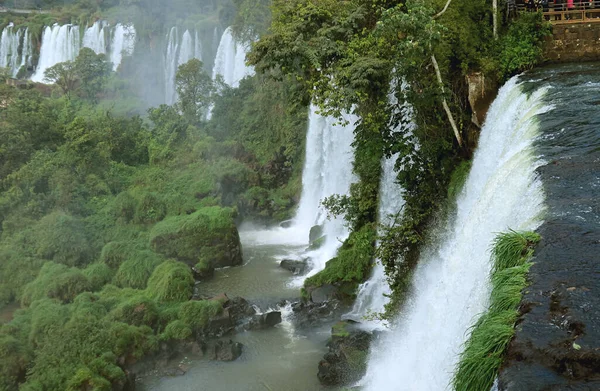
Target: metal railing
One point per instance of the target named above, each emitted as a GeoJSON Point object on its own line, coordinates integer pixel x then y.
{"type": "Point", "coordinates": [565, 11]}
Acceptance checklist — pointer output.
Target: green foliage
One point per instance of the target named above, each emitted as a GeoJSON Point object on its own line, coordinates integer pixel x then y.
{"type": "Point", "coordinates": [196, 314]}
{"type": "Point", "coordinates": [98, 275]}
{"type": "Point", "coordinates": [352, 264]}
{"type": "Point", "coordinates": [92, 71]}
{"type": "Point", "coordinates": [137, 311]}
{"type": "Point", "coordinates": [171, 281]}
{"type": "Point", "coordinates": [484, 351]}
{"type": "Point", "coordinates": [521, 47]}
{"type": "Point", "coordinates": [458, 178]}
{"type": "Point", "coordinates": [194, 87]}
{"type": "Point", "coordinates": [209, 232]}
{"type": "Point", "coordinates": [56, 281]}
{"type": "Point", "coordinates": [137, 269]}
{"type": "Point", "coordinates": [177, 330]}
{"type": "Point", "coordinates": [61, 237]}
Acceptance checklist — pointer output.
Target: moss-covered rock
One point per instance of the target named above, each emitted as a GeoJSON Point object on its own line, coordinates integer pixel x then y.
{"type": "Point", "coordinates": [56, 281]}
{"type": "Point", "coordinates": [171, 281]}
{"type": "Point", "coordinates": [209, 234]}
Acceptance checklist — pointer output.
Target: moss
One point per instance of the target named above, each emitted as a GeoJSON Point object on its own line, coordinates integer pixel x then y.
{"type": "Point", "coordinates": [115, 253]}
{"type": "Point", "coordinates": [339, 330]}
{"type": "Point", "coordinates": [150, 209]}
{"type": "Point", "coordinates": [171, 281]}
{"type": "Point", "coordinates": [458, 178]}
{"type": "Point", "coordinates": [352, 264]}
{"type": "Point", "coordinates": [485, 349]}
{"type": "Point", "coordinates": [209, 233]}
{"type": "Point", "coordinates": [61, 238]}
{"type": "Point", "coordinates": [197, 314]}
{"type": "Point", "coordinates": [137, 311]}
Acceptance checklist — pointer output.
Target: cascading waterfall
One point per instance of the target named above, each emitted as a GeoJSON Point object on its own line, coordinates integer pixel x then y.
{"type": "Point", "coordinates": [230, 61]}
{"type": "Point", "coordinates": [62, 43]}
{"type": "Point", "coordinates": [15, 49]}
{"type": "Point", "coordinates": [94, 38]}
{"type": "Point", "coordinates": [122, 44]}
{"type": "Point", "coordinates": [59, 44]}
{"type": "Point", "coordinates": [451, 284]}
{"type": "Point", "coordinates": [178, 53]}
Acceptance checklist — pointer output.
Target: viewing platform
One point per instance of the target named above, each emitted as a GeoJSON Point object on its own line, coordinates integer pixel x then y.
{"type": "Point", "coordinates": [564, 11]}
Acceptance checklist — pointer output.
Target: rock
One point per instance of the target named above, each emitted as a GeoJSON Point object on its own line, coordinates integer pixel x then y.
{"type": "Point", "coordinates": [482, 92]}
{"type": "Point", "coordinates": [296, 266]}
{"type": "Point", "coordinates": [219, 325]}
{"type": "Point", "coordinates": [264, 321]}
{"type": "Point", "coordinates": [323, 293]}
{"type": "Point", "coordinates": [346, 361]}
{"type": "Point", "coordinates": [286, 223]}
{"type": "Point", "coordinates": [203, 270]}
{"type": "Point", "coordinates": [310, 315]}
{"type": "Point", "coordinates": [226, 351]}
{"type": "Point", "coordinates": [317, 243]}
{"type": "Point", "coordinates": [239, 309]}
{"type": "Point", "coordinates": [315, 233]}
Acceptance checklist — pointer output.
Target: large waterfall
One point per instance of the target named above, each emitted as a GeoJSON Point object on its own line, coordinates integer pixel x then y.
{"type": "Point", "coordinates": [62, 43]}
{"type": "Point", "coordinates": [178, 52]}
{"type": "Point", "coordinates": [451, 285]}
{"type": "Point", "coordinates": [15, 49]}
{"type": "Point", "coordinates": [230, 61]}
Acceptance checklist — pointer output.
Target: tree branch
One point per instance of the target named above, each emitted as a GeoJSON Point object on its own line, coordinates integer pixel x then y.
{"type": "Point", "coordinates": [442, 11]}
{"type": "Point", "coordinates": [444, 103]}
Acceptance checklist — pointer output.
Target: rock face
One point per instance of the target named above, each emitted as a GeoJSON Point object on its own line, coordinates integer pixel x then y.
{"type": "Point", "coordinates": [346, 361]}
{"type": "Point", "coordinates": [307, 314]}
{"type": "Point", "coordinates": [573, 43]}
{"type": "Point", "coordinates": [482, 92]}
{"type": "Point", "coordinates": [226, 351]}
{"type": "Point", "coordinates": [323, 293]}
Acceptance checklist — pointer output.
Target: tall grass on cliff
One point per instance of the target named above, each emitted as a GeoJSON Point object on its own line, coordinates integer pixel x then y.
{"type": "Point", "coordinates": [484, 351]}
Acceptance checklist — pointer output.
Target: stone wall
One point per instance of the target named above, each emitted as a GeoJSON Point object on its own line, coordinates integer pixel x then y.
{"type": "Point", "coordinates": [573, 43]}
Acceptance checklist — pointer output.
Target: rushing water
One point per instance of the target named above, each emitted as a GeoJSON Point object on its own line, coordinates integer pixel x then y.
{"type": "Point", "coordinates": [280, 358]}
{"type": "Point", "coordinates": [451, 285]}
{"type": "Point", "coordinates": [230, 61]}
{"type": "Point", "coordinates": [179, 51]}
{"type": "Point", "coordinates": [62, 43]}
{"type": "Point", "coordinates": [15, 49]}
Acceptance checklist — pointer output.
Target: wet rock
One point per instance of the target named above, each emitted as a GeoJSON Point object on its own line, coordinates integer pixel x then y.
{"type": "Point", "coordinates": [226, 350]}
{"type": "Point", "coordinates": [317, 243]}
{"type": "Point", "coordinates": [286, 224]}
{"type": "Point", "coordinates": [315, 233]}
{"type": "Point", "coordinates": [239, 309]}
{"type": "Point", "coordinates": [298, 267]}
{"type": "Point", "coordinates": [482, 92]}
{"type": "Point", "coordinates": [308, 314]}
{"type": "Point", "coordinates": [346, 361]}
{"type": "Point", "coordinates": [323, 293]}
{"type": "Point", "coordinates": [264, 321]}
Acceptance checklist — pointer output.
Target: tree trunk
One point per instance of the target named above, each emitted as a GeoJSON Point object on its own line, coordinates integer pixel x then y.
{"type": "Point", "coordinates": [444, 103]}
{"type": "Point", "coordinates": [495, 17]}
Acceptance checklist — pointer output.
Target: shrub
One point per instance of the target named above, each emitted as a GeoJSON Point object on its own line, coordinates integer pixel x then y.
{"type": "Point", "coordinates": [56, 281]}
{"type": "Point", "coordinates": [61, 237]}
{"type": "Point", "coordinates": [137, 311]}
{"type": "Point", "coordinates": [197, 314]}
{"type": "Point", "coordinates": [115, 253]}
{"type": "Point", "coordinates": [150, 209]}
{"type": "Point", "coordinates": [484, 351]}
{"type": "Point", "coordinates": [124, 207]}
{"type": "Point", "coordinates": [171, 281]}
{"type": "Point", "coordinates": [135, 271]}
{"type": "Point", "coordinates": [177, 330]}
{"type": "Point", "coordinates": [98, 275]}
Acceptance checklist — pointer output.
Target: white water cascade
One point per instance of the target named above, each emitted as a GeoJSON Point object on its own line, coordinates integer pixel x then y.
{"type": "Point", "coordinates": [15, 49]}
{"type": "Point", "coordinates": [451, 284]}
{"type": "Point", "coordinates": [179, 51]}
{"type": "Point", "coordinates": [230, 61]}
{"type": "Point", "coordinates": [59, 44]}
{"type": "Point", "coordinates": [122, 43]}
{"type": "Point", "coordinates": [94, 37]}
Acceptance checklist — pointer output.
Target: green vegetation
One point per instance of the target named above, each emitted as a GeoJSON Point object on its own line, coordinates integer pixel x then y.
{"type": "Point", "coordinates": [484, 352]}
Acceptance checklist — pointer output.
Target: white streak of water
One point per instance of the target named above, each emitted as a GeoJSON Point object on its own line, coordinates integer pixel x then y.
{"type": "Point", "coordinates": [59, 44]}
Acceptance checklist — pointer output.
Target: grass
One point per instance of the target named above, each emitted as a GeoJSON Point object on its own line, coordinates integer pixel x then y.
{"type": "Point", "coordinates": [484, 351]}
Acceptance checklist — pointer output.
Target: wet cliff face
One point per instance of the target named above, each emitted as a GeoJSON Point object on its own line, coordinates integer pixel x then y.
{"type": "Point", "coordinates": [557, 341]}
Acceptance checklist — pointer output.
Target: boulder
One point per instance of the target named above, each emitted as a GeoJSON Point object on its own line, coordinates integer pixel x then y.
{"type": "Point", "coordinates": [296, 266]}
{"type": "Point", "coordinates": [239, 309]}
{"type": "Point", "coordinates": [264, 321]}
{"type": "Point", "coordinates": [311, 315]}
{"type": "Point", "coordinates": [346, 361]}
{"type": "Point", "coordinates": [315, 233]}
{"type": "Point", "coordinates": [206, 237]}
{"type": "Point", "coordinates": [323, 293]}
{"type": "Point", "coordinates": [226, 350]}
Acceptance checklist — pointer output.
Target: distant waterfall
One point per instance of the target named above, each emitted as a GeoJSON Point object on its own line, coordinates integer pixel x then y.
{"type": "Point", "coordinates": [15, 49]}
{"type": "Point", "coordinates": [59, 44]}
{"type": "Point", "coordinates": [230, 61]}
{"type": "Point", "coordinates": [62, 43]}
{"type": "Point", "coordinates": [178, 52]}
{"type": "Point", "coordinates": [122, 43]}
{"type": "Point", "coordinates": [94, 38]}
{"type": "Point", "coordinates": [451, 284]}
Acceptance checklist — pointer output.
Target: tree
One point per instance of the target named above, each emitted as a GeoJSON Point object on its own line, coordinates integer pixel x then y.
{"type": "Point", "coordinates": [194, 87]}
{"type": "Point", "coordinates": [63, 75]}
{"type": "Point", "coordinates": [92, 70]}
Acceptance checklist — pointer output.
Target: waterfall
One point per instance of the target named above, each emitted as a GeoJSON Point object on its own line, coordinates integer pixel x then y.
{"type": "Point", "coordinates": [230, 61]}
{"type": "Point", "coordinates": [178, 53]}
{"type": "Point", "coordinates": [123, 43]}
{"type": "Point", "coordinates": [94, 38]}
{"type": "Point", "coordinates": [451, 284]}
{"type": "Point", "coordinates": [59, 44]}
{"type": "Point", "coordinates": [15, 49]}
{"type": "Point", "coordinates": [327, 171]}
